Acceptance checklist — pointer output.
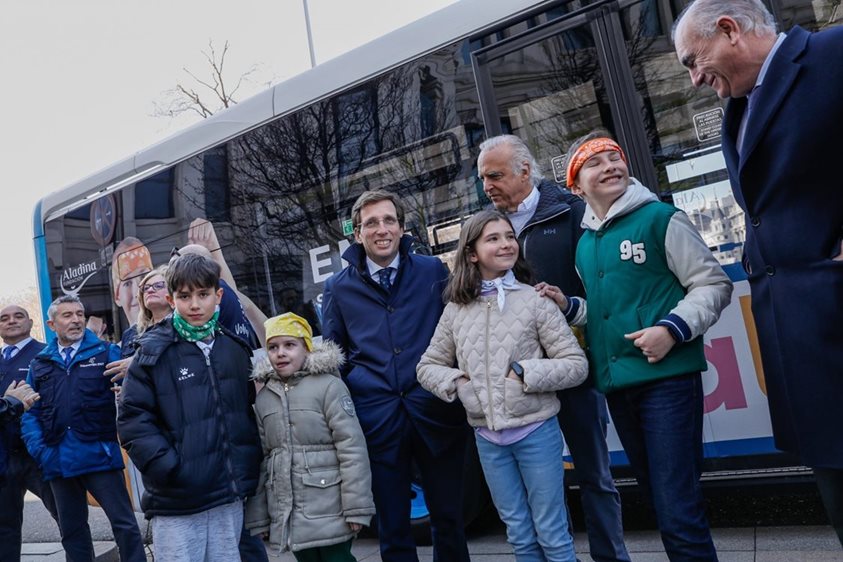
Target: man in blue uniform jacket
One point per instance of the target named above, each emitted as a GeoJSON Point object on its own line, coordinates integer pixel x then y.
{"type": "Point", "coordinates": [72, 433]}
{"type": "Point", "coordinates": [382, 310]}
{"type": "Point", "coordinates": [22, 472]}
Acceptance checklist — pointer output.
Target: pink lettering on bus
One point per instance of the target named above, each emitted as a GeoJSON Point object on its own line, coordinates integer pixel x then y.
{"type": "Point", "coordinates": [729, 391]}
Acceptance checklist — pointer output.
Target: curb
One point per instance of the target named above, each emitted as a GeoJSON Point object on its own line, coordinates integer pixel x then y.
{"type": "Point", "coordinates": [104, 551]}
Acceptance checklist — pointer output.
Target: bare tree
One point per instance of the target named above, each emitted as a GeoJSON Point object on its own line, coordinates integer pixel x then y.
{"type": "Point", "coordinates": [203, 95]}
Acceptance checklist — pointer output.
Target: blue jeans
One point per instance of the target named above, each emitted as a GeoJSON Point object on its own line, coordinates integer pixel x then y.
{"type": "Point", "coordinates": [583, 419]}
{"type": "Point", "coordinates": [660, 426]}
{"type": "Point", "coordinates": [526, 482]}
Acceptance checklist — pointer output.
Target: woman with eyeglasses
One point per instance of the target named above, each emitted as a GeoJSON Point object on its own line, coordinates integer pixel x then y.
{"type": "Point", "coordinates": [152, 300]}
{"type": "Point", "coordinates": [152, 296]}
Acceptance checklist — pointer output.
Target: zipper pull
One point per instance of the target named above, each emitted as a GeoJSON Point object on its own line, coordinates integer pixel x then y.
{"type": "Point", "coordinates": [206, 351]}
{"type": "Point", "coordinates": [286, 387]}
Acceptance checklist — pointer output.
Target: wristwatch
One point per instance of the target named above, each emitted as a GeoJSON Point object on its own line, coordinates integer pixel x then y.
{"type": "Point", "coordinates": [517, 369]}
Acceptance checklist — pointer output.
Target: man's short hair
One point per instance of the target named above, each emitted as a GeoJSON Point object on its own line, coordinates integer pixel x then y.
{"type": "Point", "coordinates": [53, 309]}
{"type": "Point", "coordinates": [375, 196]}
{"type": "Point", "coordinates": [520, 154]}
{"type": "Point", "coordinates": [192, 271]}
{"type": "Point", "coordinates": [19, 307]}
{"type": "Point", "coordinates": [700, 17]}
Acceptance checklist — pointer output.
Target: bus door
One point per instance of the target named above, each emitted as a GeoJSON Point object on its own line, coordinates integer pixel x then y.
{"type": "Point", "coordinates": [611, 65]}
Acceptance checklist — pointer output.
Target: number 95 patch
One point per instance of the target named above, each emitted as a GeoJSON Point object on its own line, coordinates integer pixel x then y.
{"type": "Point", "coordinates": [633, 251]}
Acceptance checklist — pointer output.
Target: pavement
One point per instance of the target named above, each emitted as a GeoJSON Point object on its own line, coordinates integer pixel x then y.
{"type": "Point", "coordinates": [487, 544]}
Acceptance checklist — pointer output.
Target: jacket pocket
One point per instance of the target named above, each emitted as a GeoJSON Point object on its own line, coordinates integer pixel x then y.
{"type": "Point", "coordinates": [517, 403]}
{"type": "Point", "coordinates": [470, 402]}
{"type": "Point", "coordinates": [648, 315]}
{"type": "Point", "coordinates": [97, 414]}
{"type": "Point", "coordinates": [91, 381]}
{"type": "Point", "coordinates": [321, 494]}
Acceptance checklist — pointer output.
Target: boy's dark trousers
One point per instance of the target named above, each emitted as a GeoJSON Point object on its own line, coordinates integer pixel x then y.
{"type": "Point", "coordinates": [109, 489]}
{"type": "Point", "coordinates": [251, 547]}
{"type": "Point", "coordinates": [333, 553]}
{"type": "Point", "coordinates": [22, 475]}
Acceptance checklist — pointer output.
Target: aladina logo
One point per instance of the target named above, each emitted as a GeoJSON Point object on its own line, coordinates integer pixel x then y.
{"type": "Point", "coordinates": [184, 374]}
{"type": "Point", "coordinates": [74, 278]}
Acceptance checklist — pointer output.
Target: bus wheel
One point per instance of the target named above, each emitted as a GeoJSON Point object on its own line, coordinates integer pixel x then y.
{"type": "Point", "coordinates": [419, 516]}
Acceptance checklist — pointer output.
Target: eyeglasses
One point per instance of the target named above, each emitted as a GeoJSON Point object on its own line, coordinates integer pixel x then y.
{"type": "Point", "coordinates": [372, 224]}
{"type": "Point", "coordinates": [152, 287]}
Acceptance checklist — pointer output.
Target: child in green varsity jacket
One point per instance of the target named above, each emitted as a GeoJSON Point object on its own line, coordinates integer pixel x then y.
{"type": "Point", "coordinates": [652, 288]}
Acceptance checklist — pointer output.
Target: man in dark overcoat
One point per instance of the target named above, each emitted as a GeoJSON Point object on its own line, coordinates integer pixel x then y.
{"type": "Point", "coordinates": [781, 144]}
{"type": "Point", "coordinates": [382, 310]}
{"type": "Point", "coordinates": [22, 473]}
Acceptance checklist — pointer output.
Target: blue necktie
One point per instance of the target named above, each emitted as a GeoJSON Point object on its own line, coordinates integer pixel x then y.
{"type": "Point", "coordinates": [385, 278]}
{"type": "Point", "coordinates": [68, 353]}
{"type": "Point", "coordinates": [750, 104]}
{"type": "Point", "coordinates": [7, 353]}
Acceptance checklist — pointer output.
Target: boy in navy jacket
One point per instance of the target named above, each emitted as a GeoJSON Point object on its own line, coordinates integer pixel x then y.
{"type": "Point", "coordinates": [187, 421]}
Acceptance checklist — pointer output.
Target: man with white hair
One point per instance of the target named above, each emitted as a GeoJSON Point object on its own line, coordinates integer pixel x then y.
{"type": "Point", "coordinates": [780, 143]}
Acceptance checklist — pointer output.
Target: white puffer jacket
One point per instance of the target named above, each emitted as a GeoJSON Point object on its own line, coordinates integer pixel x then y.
{"type": "Point", "coordinates": [483, 341]}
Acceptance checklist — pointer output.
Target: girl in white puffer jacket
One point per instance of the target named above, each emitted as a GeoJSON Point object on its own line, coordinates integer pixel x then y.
{"type": "Point", "coordinates": [513, 350]}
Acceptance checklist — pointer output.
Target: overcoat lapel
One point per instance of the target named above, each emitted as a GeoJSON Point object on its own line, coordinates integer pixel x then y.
{"type": "Point", "coordinates": [782, 72]}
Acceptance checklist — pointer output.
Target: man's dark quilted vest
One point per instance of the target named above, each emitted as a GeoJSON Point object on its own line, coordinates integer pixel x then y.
{"type": "Point", "coordinates": [77, 398]}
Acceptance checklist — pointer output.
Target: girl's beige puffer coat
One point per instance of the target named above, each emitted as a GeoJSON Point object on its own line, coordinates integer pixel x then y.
{"type": "Point", "coordinates": [483, 342]}
{"type": "Point", "coordinates": [315, 476]}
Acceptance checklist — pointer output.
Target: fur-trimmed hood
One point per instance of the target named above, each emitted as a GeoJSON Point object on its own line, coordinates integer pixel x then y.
{"type": "Point", "coordinates": [326, 357]}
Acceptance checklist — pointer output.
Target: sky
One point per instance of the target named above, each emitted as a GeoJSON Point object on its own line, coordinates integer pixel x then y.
{"type": "Point", "coordinates": [80, 81]}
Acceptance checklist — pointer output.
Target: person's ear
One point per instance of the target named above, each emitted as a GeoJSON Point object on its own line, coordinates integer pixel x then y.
{"type": "Point", "coordinates": [729, 28]}
{"type": "Point", "coordinates": [171, 301]}
{"type": "Point", "coordinates": [219, 295]}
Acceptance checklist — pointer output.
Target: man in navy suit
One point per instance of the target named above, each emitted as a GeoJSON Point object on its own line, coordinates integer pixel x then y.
{"type": "Point", "coordinates": [781, 143]}
{"type": "Point", "coordinates": [382, 310]}
{"type": "Point", "coordinates": [22, 474]}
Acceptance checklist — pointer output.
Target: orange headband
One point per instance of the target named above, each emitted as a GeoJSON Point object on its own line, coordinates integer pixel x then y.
{"type": "Point", "coordinates": [586, 151]}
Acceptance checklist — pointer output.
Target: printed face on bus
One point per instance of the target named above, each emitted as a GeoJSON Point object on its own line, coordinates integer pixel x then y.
{"type": "Point", "coordinates": [196, 304]}
{"type": "Point", "coordinates": [126, 295]}
{"type": "Point", "coordinates": [506, 187]}
{"type": "Point", "coordinates": [68, 323]}
{"type": "Point", "coordinates": [15, 324]}
{"type": "Point", "coordinates": [286, 354]}
{"type": "Point", "coordinates": [379, 232]}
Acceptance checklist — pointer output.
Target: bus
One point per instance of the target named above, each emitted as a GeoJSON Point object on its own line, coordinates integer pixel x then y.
{"type": "Point", "coordinates": [277, 174]}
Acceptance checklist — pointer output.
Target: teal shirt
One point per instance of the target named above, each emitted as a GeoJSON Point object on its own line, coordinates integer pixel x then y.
{"type": "Point", "coordinates": [629, 286]}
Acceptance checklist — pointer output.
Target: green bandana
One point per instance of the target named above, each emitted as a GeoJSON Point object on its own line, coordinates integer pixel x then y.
{"type": "Point", "coordinates": [195, 333]}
